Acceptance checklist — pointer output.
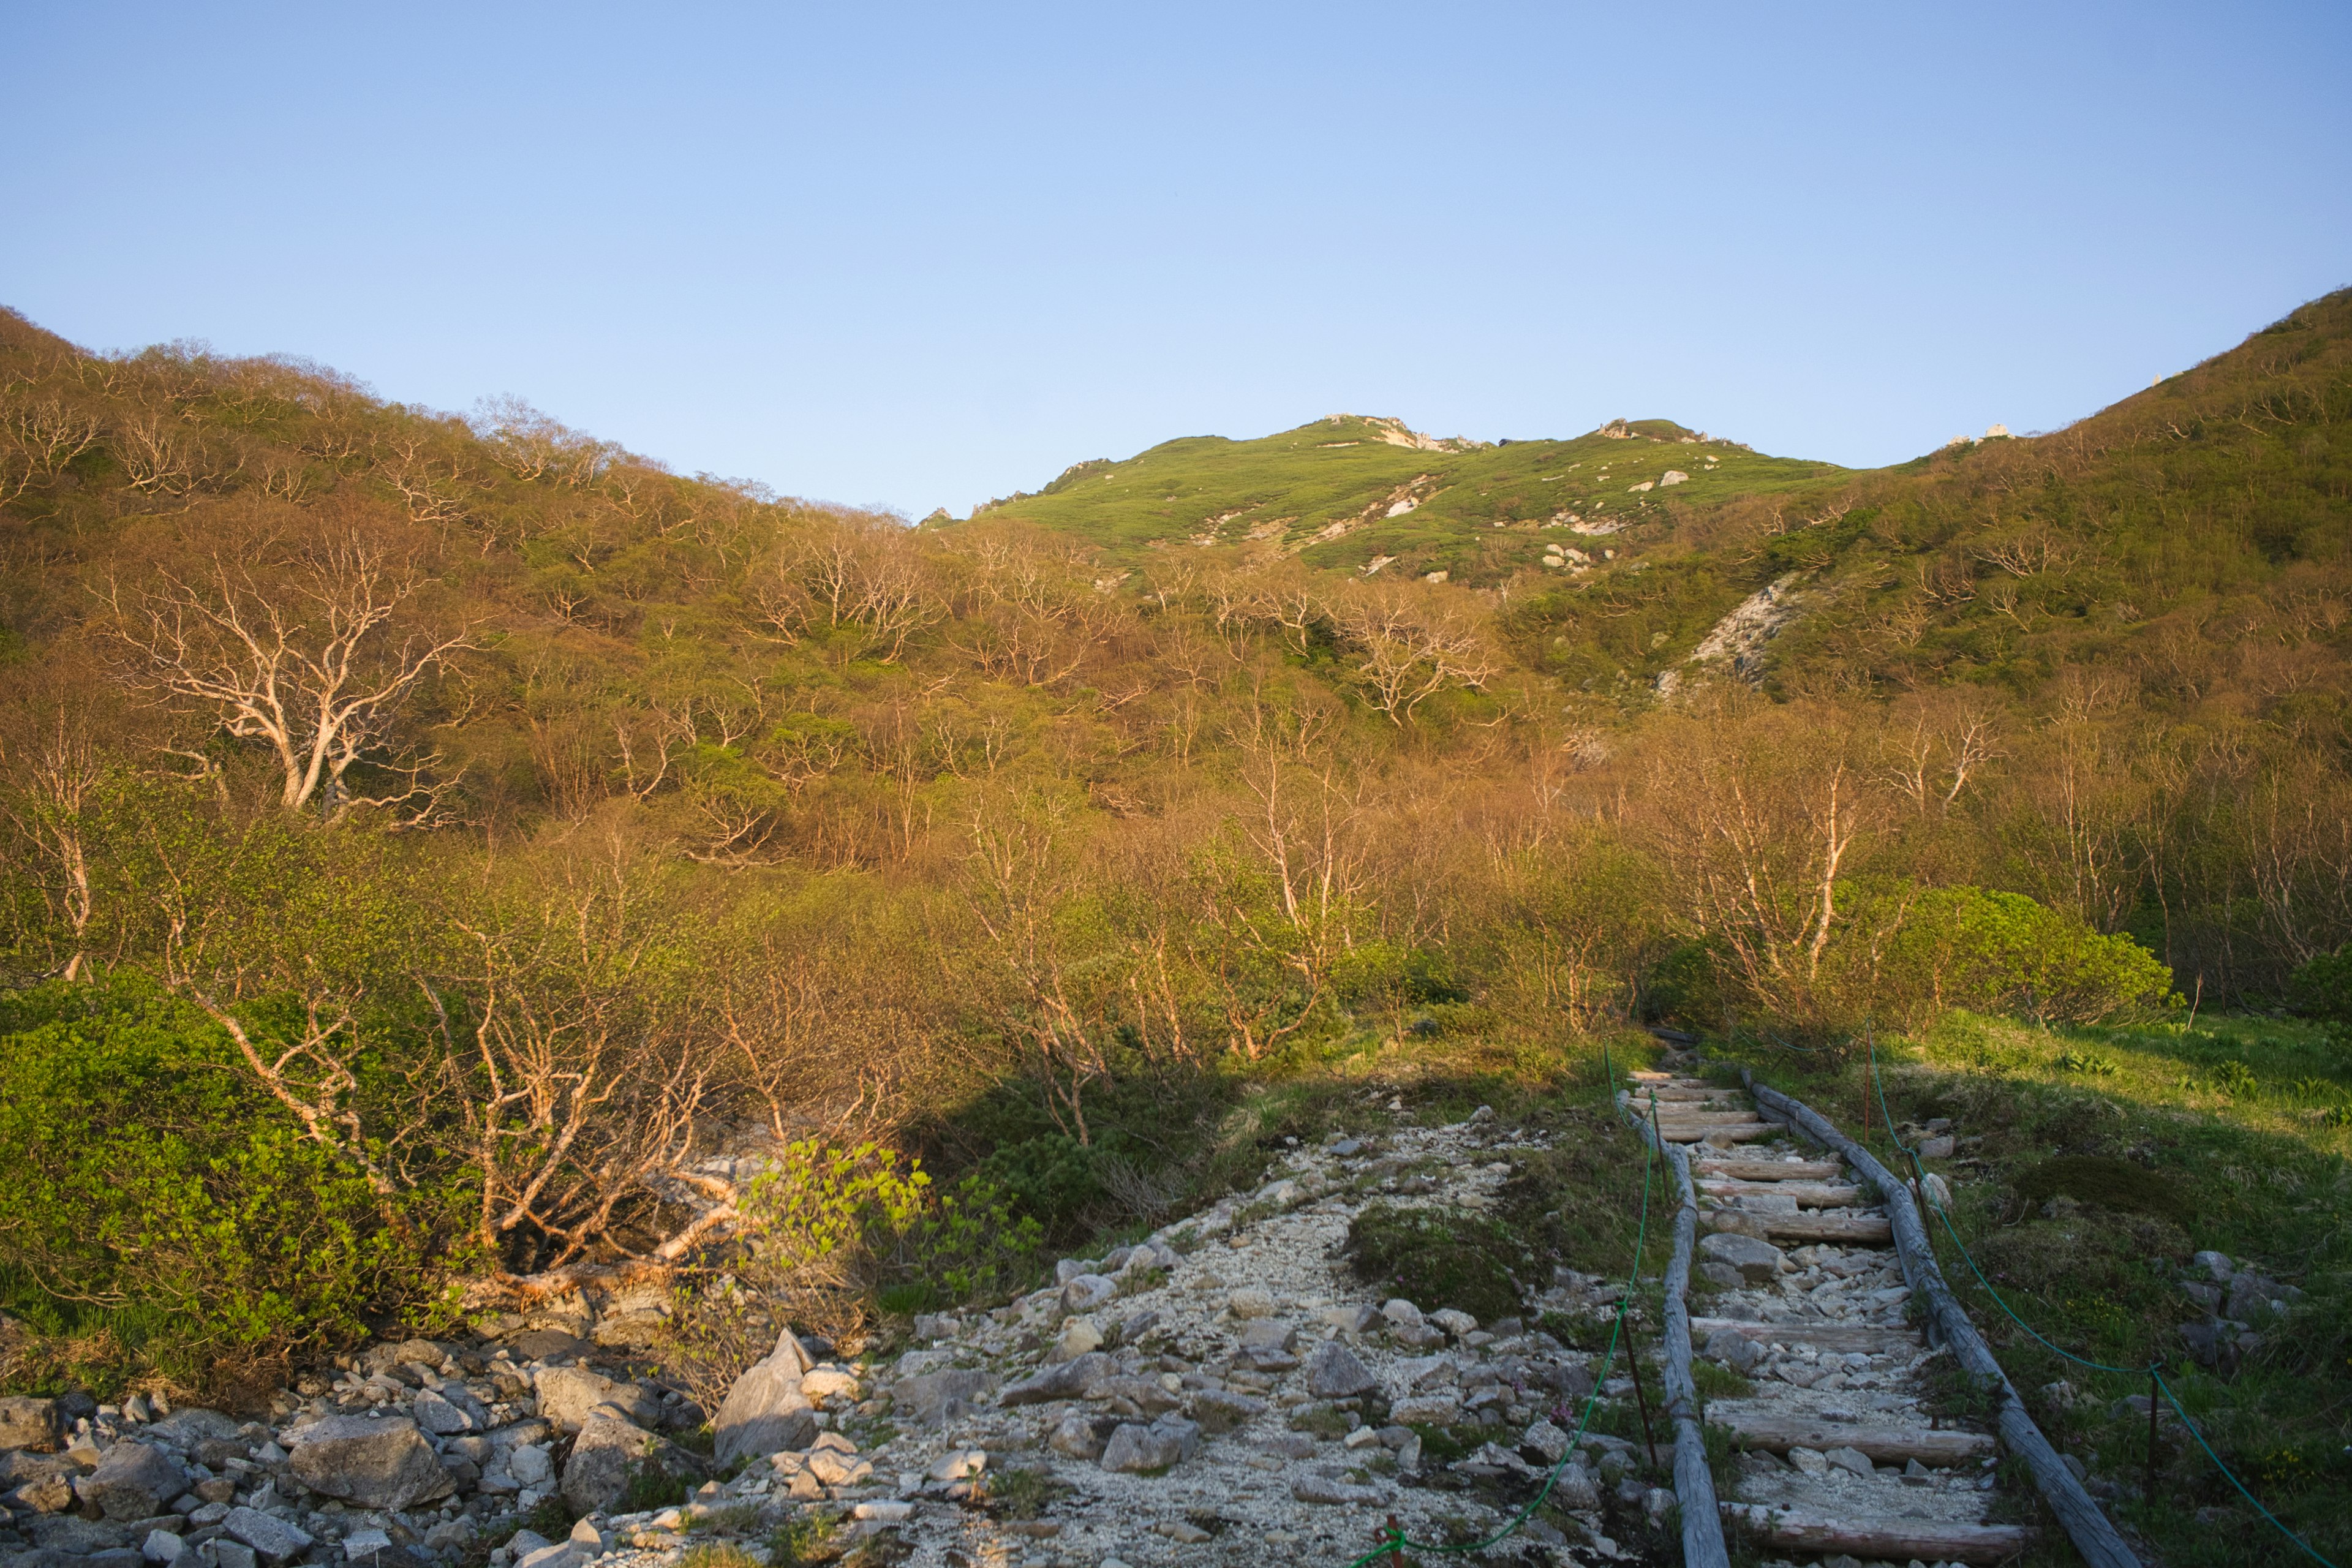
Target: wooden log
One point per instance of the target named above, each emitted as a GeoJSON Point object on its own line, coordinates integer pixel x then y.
{"type": "Point", "coordinates": [1681, 1117]}
{"type": "Point", "coordinates": [1702, 1527]}
{"type": "Point", "coordinates": [1868, 1338]}
{"type": "Point", "coordinates": [1889, 1540]}
{"type": "Point", "coordinates": [2092, 1534]}
{"type": "Point", "coordinates": [1769, 1170]}
{"type": "Point", "coordinates": [1780, 1431]}
{"type": "Point", "coordinates": [1812, 1195]}
{"type": "Point", "coordinates": [1875, 1230]}
{"type": "Point", "coordinates": [1742, 1134]}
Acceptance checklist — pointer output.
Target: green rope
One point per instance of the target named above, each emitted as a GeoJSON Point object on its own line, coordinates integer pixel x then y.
{"type": "Point", "coordinates": [2153, 1371]}
{"type": "Point", "coordinates": [1395, 1539]}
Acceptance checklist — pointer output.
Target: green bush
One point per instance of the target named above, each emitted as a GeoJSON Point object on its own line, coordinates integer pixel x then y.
{"type": "Point", "coordinates": [2322, 987]}
{"type": "Point", "coordinates": [1439, 1257]}
{"type": "Point", "coordinates": [1994, 952]}
{"type": "Point", "coordinates": [146, 1182]}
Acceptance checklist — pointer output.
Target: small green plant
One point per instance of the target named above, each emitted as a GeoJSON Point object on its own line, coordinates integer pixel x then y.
{"type": "Point", "coordinates": [734, 1519]}
{"type": "Point", "coordinates": [2234, 1078]}
{"type": "Point", "coordinates": [1023, 1493]}
{"type": "Point", "coordinates": [1439, 1257]}
{"type": "Point", "coordinates": [550, 1517]}
{"type": "Point", "coordinates": [1716, 1381]}
{"type": "Point", "coordinates": [2089, 1063]}
{"type": "Point", "coordinates": [1322, 1421]}
{"type": "Point", "coordinates": [650, 1487]}
{"type": "Point", "coordinates": [801, 1542]}
{"type": "Point", "coordinates": [724, 1555]}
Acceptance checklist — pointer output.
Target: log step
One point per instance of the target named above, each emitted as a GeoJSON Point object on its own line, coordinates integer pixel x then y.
{"type": "Point", "coordinates": [1780, 1432]}
{"type": "Point", "coordinates": [1868, 1339]}
{"type": "Point", "coordinates": [1768, 1170]}
{"type": "Point", "coordinates": [1889, 1540]}
{"type": "Point", "coordinates": [1846, 1229]}
{"type": "Point", "coordinates": [1812, 1195]}
{"type": "Point", "coordinates": [1743, 1133]}
{"type": "Point", "coordinates": [1704, 1117]}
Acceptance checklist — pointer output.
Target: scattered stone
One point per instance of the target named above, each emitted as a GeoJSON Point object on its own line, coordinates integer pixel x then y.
{"type": "Point", "coordinates": [1069, 1380]}
{"type": "Point", "coordinates": [377, 1463]}
{"type": "Point", "coordinates": [2216, 1264]}
{"type": "Point", "coordinates": [1250, 1303]}
{"type": "Point", "coordinates": [1075, 1437]}
{"type": "Point", "coordinates": [1733, 1349]}
{"type": "Point", "coordinates": [1222, 1410]}
{"type": "Point", "coordinates": [1546, 1439]}
{"type": "Point", "coordinates": [1328, 1490]}
{"type": "Point", "coordinates": [1852, 1460]}
{"type": "Point", "coordinates": [1458, 1323]}
{"type": "Point", "coordinates": [960, 1465]}
{"type": "Point", "coordinates": [764, 1412]}
{"type": "Point", "coordinates": [569, 1395]}
{"type": "Point", "coordinates": [1088, 1291]}
{"type": "Point", "coordinates": [163, 1547]}
{"type": "Point", "coordinates": [1079, 1335]}
{"type": "Point", "coordinates": [274, 1538]}
{"type": "Point", "coordinates": [1757, 1262]}
{"type": "Point", "coordinates": [133, 1481]}
{"type": "Point", "coordinates": [937, 1398]}
{"type": "Point", "coordinates": [31, 1424]}
{"type": "Point", "coordinates": [1134, 1450]}
{"type": "Point", "coordinates": [1810, 1461]}
{"type": "Point", "coordinates": [1334, 1371]}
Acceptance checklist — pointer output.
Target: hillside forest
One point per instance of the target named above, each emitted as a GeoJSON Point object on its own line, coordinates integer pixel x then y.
{"type": "Point", "coordinates": [430, 841]}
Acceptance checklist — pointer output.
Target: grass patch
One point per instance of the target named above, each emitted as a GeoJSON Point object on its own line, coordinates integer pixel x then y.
{"type": "Point", "coordinates": [1439, 1257]}
{"type": "Point", "coordinates": [2106, 1182]}
{"type": "Point", "coordinates": [1023, 1493]}
{"type": "Point", "coordinates": [2215, 1136]}
{"type": "Point", "coordinates": [1716, 1381]}
{"type": "Point", "coordinates": [806, 1539]}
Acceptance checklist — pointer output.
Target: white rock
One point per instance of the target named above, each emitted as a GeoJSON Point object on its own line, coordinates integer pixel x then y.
{"type": "Point", "coordinates": [1250, 1302]}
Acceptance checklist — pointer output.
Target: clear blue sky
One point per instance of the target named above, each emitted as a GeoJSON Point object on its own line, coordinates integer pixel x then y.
{"type": "Point", "coordinates": [924, 255]}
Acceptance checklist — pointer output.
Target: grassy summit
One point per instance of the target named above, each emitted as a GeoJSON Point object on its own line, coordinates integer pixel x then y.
{"type": "Point", "coordinates": [1368, 495]}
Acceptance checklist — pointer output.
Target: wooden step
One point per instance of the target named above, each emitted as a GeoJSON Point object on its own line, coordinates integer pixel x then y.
{"type": "Point", "coordinates": [1868, 1339]}
{"type": "Point", "coordinates": [1702, 1118]}
{"type": "Point", "coordinates": [1768, 1170]}
{"type": "Point", "coordinates": [1745, 1133]}
{"type": "Point", "coordinates": [1888, 1540]}
{"type": "Point", "coordinates": [1846, 1229]}
{"type": "Point", "coordinates": [1812, 1195]}
{"type": "Point", "coordinates": [1638, 1077]}
{"type": "Point", "coordinates": [1779, 1431]}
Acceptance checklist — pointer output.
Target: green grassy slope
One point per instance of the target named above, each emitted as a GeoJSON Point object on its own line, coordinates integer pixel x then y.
{"type": "Point", "coordinates": [1346, 492]}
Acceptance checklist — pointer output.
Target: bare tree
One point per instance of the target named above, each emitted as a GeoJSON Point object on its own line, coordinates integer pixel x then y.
{"type": "Point", "coordinates": [1410, 646]}
{"type": "Point", "coordinates": [305, 662]}
{"type": "Point", "coordinates": [54, 780]}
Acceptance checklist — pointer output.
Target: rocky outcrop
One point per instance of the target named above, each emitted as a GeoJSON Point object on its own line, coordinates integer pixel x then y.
{"type": "Point", "coordinates": [385, 1464]}
{"type": "Point", "coordinates": [767, 1411]}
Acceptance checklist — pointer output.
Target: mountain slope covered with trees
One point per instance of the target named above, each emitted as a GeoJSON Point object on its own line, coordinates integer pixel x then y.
{"type": "Point", "coordinates": [437, 835]}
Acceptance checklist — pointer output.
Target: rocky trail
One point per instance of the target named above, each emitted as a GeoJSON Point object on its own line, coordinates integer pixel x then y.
{"type": "Point", "coordinates": [1225, 1391]}
{"type": "Point", "coordinates": [1837, 1457]}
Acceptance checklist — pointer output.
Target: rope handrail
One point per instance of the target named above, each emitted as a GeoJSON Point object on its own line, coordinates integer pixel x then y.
{"type": "Point", "coordinates": [2153, 1371]}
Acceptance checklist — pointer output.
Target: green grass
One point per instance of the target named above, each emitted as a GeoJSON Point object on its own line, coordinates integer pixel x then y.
{"type": "Point", "coordinates": [2225, 1135]}
{"type": "Point", "coordinates": [1481, 512]}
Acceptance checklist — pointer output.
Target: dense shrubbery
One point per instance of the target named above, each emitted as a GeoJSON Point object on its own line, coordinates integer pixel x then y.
{"type": "Point", "coordinates": [684, 817]}
{"type": "Point", "coordinates": [149, 1187]}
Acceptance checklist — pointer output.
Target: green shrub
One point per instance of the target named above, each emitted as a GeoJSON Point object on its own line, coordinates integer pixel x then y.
{"type": "Point", "coordinates": [2108, 1183]}
{"type": "Point", "coordinates": [1994, 952]}
{"type": "Point", "coordinates": [148, 1183]}
{"type": "Point", "coordinates": [2322, 987]}
{"type": "Point", "coordinates": [1439, 1257]}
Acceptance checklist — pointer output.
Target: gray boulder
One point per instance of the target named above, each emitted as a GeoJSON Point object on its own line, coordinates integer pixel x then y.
{"type": "Point", "coordinates": [273, 1538]}
{"type": "Point", "coordinates": [568, 1395]}
{"type": "Point", "coordinates": [1334, 1371]}
{"type": "Point", "coordinates": [1734, 1349]}
{"type": "Point", "coordinates": [1076, 1437]}
{"type": "Point", "coordinates": [936, 1398]}
{"type": "Point", "coordinates": [192, 1426]}
{"type": "Point", "coordinates": [1068, 1380]}
{"type": "Point", "coordinates": [1085, 1292]}
{"type": "Point", "coordinates": [1757, 1262]}
{"type": "Point", "coordinates": [607, 1452]}
{"type": "Point", "coordinates": [29, 1424]}
{"type": "Point", "coordinates": [1135, 1449]}
{"type": "Point", "coordinates": [133, 1481]}
{"type": "Point", "coordinates": [765, 1412]}
{"type": "Point", "coordinates": [375, 1463]}
{"type": "Point", "coordinates": [439, 1415]}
